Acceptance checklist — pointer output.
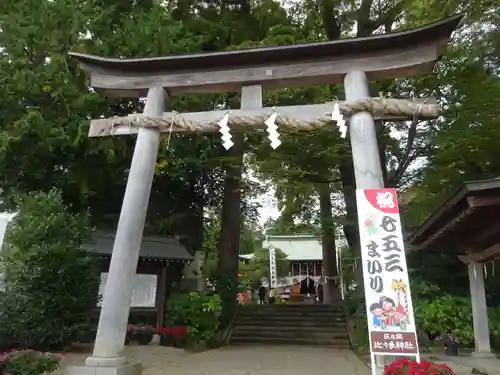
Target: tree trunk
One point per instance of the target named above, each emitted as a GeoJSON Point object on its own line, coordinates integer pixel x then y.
{"type": "Point", "coordinates": [229, 246]}
{"type": "Point", "coordinates": [229, 243]}
{"type": "Point", "coordinates": [351, 228]}
{"type": "Point", "coordinates": [330, 289]}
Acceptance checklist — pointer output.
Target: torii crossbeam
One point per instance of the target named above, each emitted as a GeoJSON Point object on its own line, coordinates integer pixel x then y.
{"type": "Point", "coordinates": [351, 61]}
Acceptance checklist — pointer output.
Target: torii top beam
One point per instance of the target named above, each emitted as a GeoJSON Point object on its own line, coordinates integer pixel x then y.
{"type": "Point", "coordinates": [383, 56]}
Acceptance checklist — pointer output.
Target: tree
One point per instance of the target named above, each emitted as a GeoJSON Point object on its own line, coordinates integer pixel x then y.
{"type": "Point", "coordinates": [257, 268]}
{"type": "Point", "coordinates": [51, 282]}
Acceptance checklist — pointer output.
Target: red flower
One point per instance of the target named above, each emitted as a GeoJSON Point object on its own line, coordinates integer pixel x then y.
{"type": "Point", "coordinates": [131, 328]}
{"type": "Point", "coordinates": [179, 333]}
{"type": "Point", "coordinates": [163, 331]}
{"type": "Point", "coordinates": [408, 367]}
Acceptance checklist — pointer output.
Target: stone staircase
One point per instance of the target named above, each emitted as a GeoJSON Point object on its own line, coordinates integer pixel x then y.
{"type": "Point", "coordinates": [322, 325]}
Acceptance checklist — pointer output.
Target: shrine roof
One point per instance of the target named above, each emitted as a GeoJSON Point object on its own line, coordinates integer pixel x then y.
{"type": "Point", "coordinates": [273, 54]}
{"type": "Point", "coordinates": [468, 222]}
{"type": "Point", "coordinates": [297, 247]}
{"type": "Point", "coordinates": [162, 248]}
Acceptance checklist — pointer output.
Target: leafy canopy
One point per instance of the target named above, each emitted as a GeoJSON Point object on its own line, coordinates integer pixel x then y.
{"type": "Point", "coordinates": [51, 283]}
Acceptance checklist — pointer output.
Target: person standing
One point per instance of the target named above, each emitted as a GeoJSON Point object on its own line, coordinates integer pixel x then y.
{"type": "Point", "coordinates": [319, 293]}
{"type": "Point", "coordinates": [262, 294]}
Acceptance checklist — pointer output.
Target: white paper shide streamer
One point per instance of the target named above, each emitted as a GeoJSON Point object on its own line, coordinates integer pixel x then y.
{"type": "Point", "coordinates": [339, 118]}
{"type": "Point", "coordinates": [225, 131]}
{"type": "Point", "coordinates": [272, 131]}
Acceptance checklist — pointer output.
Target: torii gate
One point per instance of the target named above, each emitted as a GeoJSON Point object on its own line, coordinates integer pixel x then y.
{"type": "Point", "coordinates": [351, 61]}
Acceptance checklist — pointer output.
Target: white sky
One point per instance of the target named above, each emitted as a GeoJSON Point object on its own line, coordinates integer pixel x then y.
{"type": "Point", "coordinates": [269, 207]}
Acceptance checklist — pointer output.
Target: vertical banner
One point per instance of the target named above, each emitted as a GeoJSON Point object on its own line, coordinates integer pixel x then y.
{"type": "Point", "coordinates": [272, 268]}
{"type": "Point", "coordinates": [389, 307]}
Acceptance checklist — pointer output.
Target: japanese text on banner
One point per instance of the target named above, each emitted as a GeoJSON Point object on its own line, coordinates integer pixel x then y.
{"type": "Point", "coordinates": [388, 299]}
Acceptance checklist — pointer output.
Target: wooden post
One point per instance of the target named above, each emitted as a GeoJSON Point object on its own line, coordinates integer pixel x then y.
{"type": "Point", "coordinates": [162, 289]}
{"type": "Point", "coordinates": [109, 344]}
{"type": "Point", "coordinates": [479, 311]}
{"type": "Point", "coordinates": [365, 154]}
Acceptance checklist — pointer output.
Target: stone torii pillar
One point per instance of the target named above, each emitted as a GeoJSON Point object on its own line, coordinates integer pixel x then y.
{"type": "Point", "coordinates": [365, 153]}
{"type": "Point", "coordinates": [110, 339]}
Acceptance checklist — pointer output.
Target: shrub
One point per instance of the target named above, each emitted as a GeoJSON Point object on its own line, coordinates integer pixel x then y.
{"type": "Point", "coordinates": [408, 367]}
{"type": "Point", "coordinates": [443, 313]}
{"type": "Point", "coordinates": [355, 303]}
{"type": "Point", "coordinates": [198, 312]}
{"type": "Point", "coordinates": [28, 362]}
{"type": "Point", "coordinates": [52, 284]}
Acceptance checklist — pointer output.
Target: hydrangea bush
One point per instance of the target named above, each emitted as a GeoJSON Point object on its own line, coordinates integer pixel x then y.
{"type": "Point", "coordinates": [28, 362]}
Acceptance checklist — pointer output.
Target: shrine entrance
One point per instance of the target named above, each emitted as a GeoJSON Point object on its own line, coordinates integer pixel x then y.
{"type": "Point", "coordinates": [468, 226]}
{"type": "Point", "coordinates": [307, 286]}
{"type": "Point", "coordinates": [353, 62]}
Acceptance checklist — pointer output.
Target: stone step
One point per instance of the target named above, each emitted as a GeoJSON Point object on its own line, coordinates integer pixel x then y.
{"type": "Point", "coordinates": [293, 306]}
{"type": "Point", "coordinates": [250, 321]}
{"type": "Point", "coordinates": [336, 343]}
{"type": "Point", "coordinates": [298, 314]}
{"type": "Point", "coordinates": [291, 311]}
{"type": "Point", "coordinates": [292, 317]}
{"type": "Point", "coordinates": [320, 308]}
{"type": "Point", "coordinates": [290, 334]}
{"type": "Point", "coordinates": [290, 328]}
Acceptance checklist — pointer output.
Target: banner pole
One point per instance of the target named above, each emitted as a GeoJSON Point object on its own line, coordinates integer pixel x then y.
{"type": "Point", "coordinates": [374, 364]}
{"type": "Point", "coordinates": [391, 322]}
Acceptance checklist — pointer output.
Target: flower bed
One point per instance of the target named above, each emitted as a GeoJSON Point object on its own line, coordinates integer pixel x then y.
{"type": "Point", "coordinates": [198, 312]}
{"type": "Point", "coordinates": [408, 367]}
{"type": "Point", "coordinates": [142, 334]}
{"type": "Point", "coordinates": [28, 362]}
{"type": "Point", "coordinates": [176, 336]}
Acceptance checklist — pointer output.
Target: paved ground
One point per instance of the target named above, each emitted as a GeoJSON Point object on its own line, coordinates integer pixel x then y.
{"type": "Point", "coordinates": [240, 360]}
{"type": "Point", "coordinates": [464, 364]}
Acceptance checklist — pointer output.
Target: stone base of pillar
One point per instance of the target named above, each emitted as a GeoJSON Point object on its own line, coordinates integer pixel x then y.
{"type": "Point", "coordinates": [134, 368]}
{"type": "Point", "coordinates": [484, 355]}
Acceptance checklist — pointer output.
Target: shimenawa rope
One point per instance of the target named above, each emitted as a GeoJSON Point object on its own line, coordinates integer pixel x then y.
{"type": "Point", "coordinates": [176, 122]}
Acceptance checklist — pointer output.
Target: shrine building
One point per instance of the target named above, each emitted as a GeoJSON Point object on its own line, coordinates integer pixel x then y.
{"type": "Point", "coordinates": [466, 225]}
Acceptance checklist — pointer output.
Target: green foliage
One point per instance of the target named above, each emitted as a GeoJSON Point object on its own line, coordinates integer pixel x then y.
{"type": "Point", "coordinates": [356, 308]}
{"type": "Point", "coordinates": [462, 142]}
{"type": "Point", "coordinates": [250, 242]}
{"type": "Point", "coordinates": [257, 268]}
{"type": "Point", "coordinates": [443, 312]}
{"type": "Point", "coordinates": [52, 284]}
{"type": "Point", "coordinates": [199, 312]}
{"type": "Point", "coordinates": [46, 103]}
{"type": "Point", "coordinates": [28, 362]}
{"type": "Point", "coordinates": [285, 224]}
{"type": "Point", "coordinates": [226, 287]}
